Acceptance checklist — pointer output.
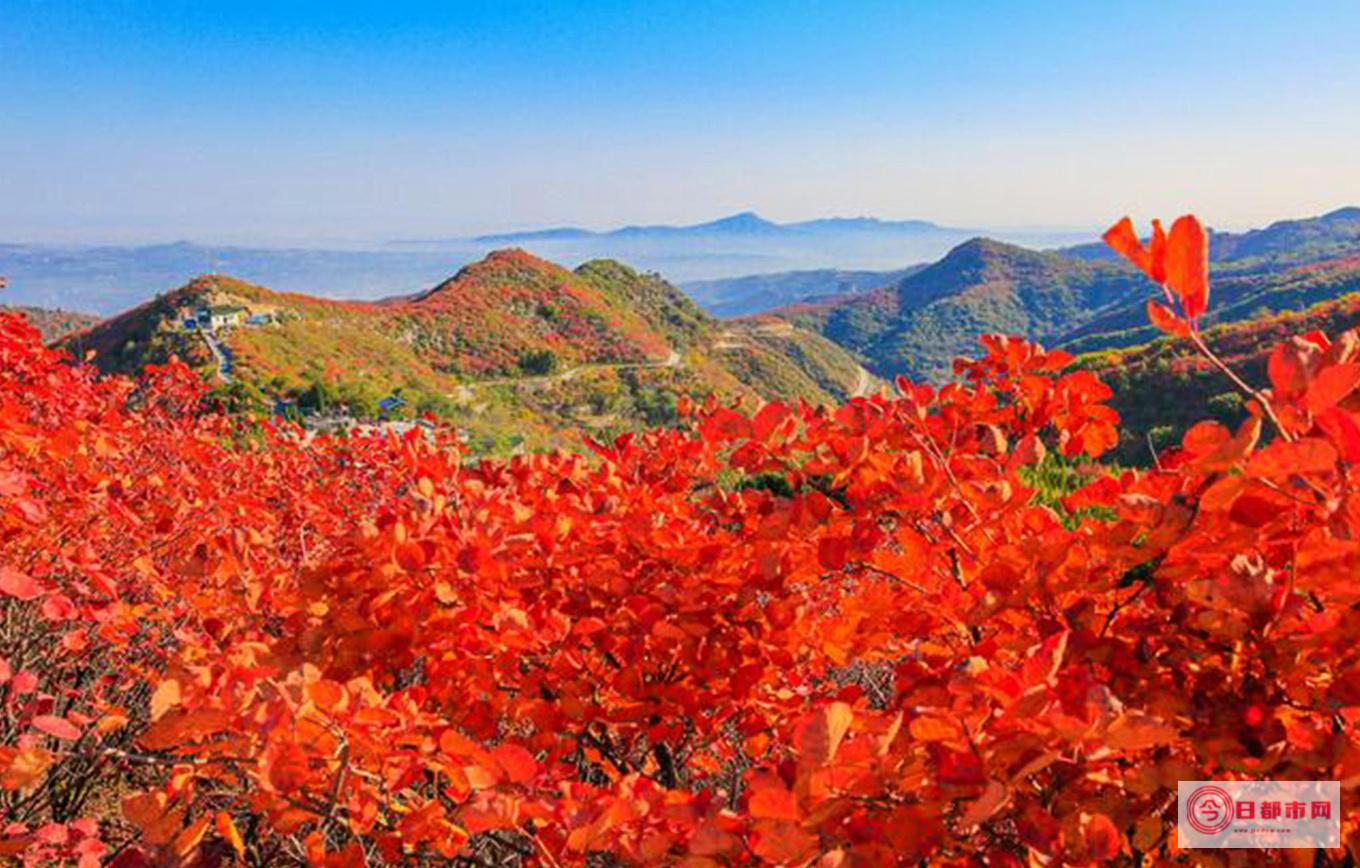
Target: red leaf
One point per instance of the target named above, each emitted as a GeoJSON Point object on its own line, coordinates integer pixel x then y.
{"type": "Point", "coordinates": [833, 552]}
{"type": "Point", "coordinates": [780, 842]}
{"type": "Point", "coordinates": [57, 727]}
{"type": "Point", "coordinates": [517, 763]}
{"type": "Point", "coordinates": [1104, 842]}
{"type": "Point", "coordinates": [767, 419]}
{"type": "Point", "coordinates": [288, 769]}
{"type": "Point", "coordinates": [12, 483]}
{"type": "Point", "coordinates": [820, 732]}
{"type": "Point", "coordinates": [1122, 237]}
{"type": "Point", "coordinates": [227, 830]}
{"type": "Point", "coordinates": [17, 584]}
{"type": "Point", "coordinates": [1157, 248]}
{"type": "Point", "coordinates": [1187, 265]}
{"type": "Point", "coordinates": [1282, 459]}
{"type": "Point", "coordinates": [1204, 437]}
{"type": "Point", "coordinates": [166, 695]}
{"type": "Point", "coordinates": [1166, 320]}
{"type": "Point", "coordinates": [1291, 366]}
{"type": "Point", "coordinates": [1331, 385]}
{"type": "Point", "coordinates": [771, 800]}
{"type": "Point", "coordinates": [58, 607]}
{"type": "Point", "coordinates": [1344, 432]}
{"type": "Point", "coordinates": [993, 798]}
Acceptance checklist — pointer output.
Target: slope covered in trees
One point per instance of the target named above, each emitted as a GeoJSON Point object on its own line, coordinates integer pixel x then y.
{"type": "Point", "coordinates": [512, 346]}
{"type": "Point", "coordinates": [1239, 297]}
{"type": "Point", "coordinates": [1282, 243]}
{"type": "Point", "coordinates": [1163, 387]}
{"type": "Point", "coordinates": [920, 324]}
{"type": "Point", "coordinates": [757, 293]}
{"type": "Point", "coordinates": [1080, 298]}
{"type": "Point", "coordinates": [787, 635]}
{"type": "Point", "coordinates": [52, 323]}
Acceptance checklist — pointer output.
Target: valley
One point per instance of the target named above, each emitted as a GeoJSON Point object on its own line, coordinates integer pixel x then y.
{"type": "Point", "coordinates": [521, 353]}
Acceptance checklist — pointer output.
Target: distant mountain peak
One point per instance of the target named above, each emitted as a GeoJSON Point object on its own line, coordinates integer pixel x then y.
{"type": "Point", "coordinates": [743, 220]}
{"type": "Point", "coordinates": [555, 233]}
{"type": "Point", "coordinates": [982, 249]}
{"type": "Point", "coordinates": [742, 223]}
{"type": "Point", "coordinates": [514, 256]}
{"type": "Point", "coordinates": [496, 265]}
{"type": "Point", "coordinates": [863, 224]}
{"type": "Point", "coordinates": [1349, 212]}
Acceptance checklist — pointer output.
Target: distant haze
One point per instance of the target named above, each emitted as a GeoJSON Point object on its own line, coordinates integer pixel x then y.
{"type": "Point", "coordinates": [108, 278]}
{"type": "Point", "coordinates": [353, 123]}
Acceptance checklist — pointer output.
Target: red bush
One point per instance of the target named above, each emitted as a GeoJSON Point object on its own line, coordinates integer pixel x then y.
{"type": "Point", "coordinates": [850, 636]}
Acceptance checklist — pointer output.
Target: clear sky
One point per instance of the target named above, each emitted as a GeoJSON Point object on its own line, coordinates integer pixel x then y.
{"type": "Point", "coordinates": [157, 119]}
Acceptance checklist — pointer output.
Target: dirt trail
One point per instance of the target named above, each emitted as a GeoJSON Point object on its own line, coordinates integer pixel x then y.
{"type": "Point", "coordinates": [671, 361]}
{"type": "Point", "coordinates": [863, 384]}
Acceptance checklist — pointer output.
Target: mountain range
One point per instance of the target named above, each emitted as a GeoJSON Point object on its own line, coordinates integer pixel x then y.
{"type": "Point", "coordinates": [754, 293]}
{"type": "Point", "coordinates": [746, 223]}
{"type": "Point", "coordinates": [1163, 387]}
{"type": "Point", "coordinates": [1079, 298]}
{"type": "Point", "coordinates": [920, 323]}
{"type": "Point", "coordinates": [512, 346]}
{"type": "Point", "coordinates": [515, 343]}
{"type": "Point", "coordinates": [746, 243]}
{"type": "Point", "coordinates": [1283, 242]}
{"type": "Point", "coordinates": [108, 278]}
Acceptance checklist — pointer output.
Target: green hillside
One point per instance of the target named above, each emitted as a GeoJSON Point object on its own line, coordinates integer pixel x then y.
{"type": "Point", "coordinates": [512, 348]}
{"type": "Point", "coordinates": [755, 293]}
{"type": "Point", "coordinates": [51, 323]}
{"type": "Point", "coordinates": [1280, 244]}
{"type": "Point", "coordinates": [1236, 297]}
{"type": "Point", "coordinates": [924, 321]}
{"type": "Point", "coordinates": [1080, 298]}
{"type": "Point", "coordinates": [1162, 387]}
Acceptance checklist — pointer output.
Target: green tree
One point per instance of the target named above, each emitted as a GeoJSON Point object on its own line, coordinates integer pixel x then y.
{"type": "Point", "coordinates": [538, 362]}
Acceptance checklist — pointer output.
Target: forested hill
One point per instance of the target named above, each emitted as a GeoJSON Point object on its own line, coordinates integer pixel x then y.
{"type": "Point", "coordinates": [918, 325]}
{"type": "Point", "coordinates": [512, 348]}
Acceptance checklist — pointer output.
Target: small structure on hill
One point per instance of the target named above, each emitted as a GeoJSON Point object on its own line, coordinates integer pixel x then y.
{"type": "Point", "coordinates": [221, 316]}
{"type": "Point", "coordinates": [224, 313]}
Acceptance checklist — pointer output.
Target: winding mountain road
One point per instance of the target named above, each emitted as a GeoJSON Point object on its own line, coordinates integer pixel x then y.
{"type": "Point", "coordinates": [671, 361]}
{"type": "Point", "coordinates": [863, 384]}
{"type": "Point", "coordinates": [220, 354]}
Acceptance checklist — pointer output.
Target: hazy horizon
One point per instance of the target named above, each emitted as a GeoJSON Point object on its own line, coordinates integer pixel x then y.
{"type": "Point", "coordinates": [364, 122]}
{"type": "Point", "coordinates": [383, 241]}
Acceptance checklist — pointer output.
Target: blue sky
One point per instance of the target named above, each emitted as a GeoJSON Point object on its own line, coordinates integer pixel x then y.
{"type": "Point", "coordinates": [348, 120]}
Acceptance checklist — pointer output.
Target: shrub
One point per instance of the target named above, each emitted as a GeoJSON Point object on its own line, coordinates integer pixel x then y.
{"type": "Point", "coordinates": [855, 636]}
{"type": "Point", "coordinates": [538, 362]}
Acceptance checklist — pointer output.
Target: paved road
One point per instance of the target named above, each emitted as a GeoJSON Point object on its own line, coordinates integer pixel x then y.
{"type": "Point", "coordinates": [220, 353]}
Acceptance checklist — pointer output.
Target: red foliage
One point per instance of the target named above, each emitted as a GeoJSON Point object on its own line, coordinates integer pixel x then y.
{"type": "Point", "coordinates": [848, 636]}
{"type": "Point", "coordinates": [1178, 261]}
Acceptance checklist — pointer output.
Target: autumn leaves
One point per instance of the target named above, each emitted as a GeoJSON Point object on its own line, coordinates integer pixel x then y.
{"type": "Point", "coordinates": [369, 651]}
{"type": "Point", "coordinates": [1178, 262]}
